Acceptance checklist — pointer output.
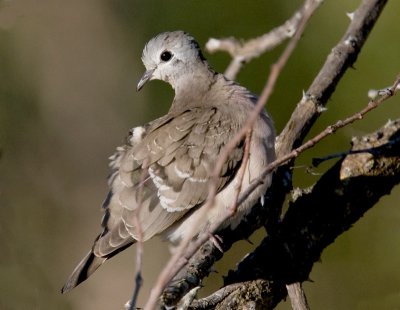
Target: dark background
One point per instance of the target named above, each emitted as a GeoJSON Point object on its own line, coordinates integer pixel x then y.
{"type": "Point", "coordinates": [68, 71]}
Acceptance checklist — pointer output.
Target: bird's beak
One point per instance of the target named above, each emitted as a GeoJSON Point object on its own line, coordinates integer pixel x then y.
{"type": "Point", "coordinates": [144, 79]}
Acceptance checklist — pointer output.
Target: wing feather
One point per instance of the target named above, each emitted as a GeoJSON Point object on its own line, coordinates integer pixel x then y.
{"type": "Point", "coordinates": [165, 169]}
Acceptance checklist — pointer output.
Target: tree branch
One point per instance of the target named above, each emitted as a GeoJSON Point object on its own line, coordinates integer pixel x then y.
{"type": "Point", "coordinates": [342, 57]}
{"type": "Point", "coordinates": [297, 296]}
{"type": "Point", "coordinates": [243, 52]}
{"type": "Point", "coordinates": [315, 219]}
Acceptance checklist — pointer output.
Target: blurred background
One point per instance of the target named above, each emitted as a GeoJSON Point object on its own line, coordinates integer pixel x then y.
{"type": "Point", "coordinates": [68, 71]}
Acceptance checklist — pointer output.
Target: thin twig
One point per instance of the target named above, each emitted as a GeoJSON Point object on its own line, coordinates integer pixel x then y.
{"type": "Point", "coordinates": [375, 151]}
{"type": "Point", "coordinates": [232, 209]}
{"type": "Point", "coordinates": [373, 93]}
{"type": "Point", "coordinates": [243, 52]}
{"type": "Point", "coordinates": [178, 259]}
{"type": "Point", "coordinates": [139, 243]}
{"type": "Point", "coordinates": [328, 131]}
{"type": "Point", "coordinates": [342, 57]}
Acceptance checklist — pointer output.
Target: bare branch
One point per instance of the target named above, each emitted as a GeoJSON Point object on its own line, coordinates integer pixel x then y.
{"type": "Point", "coordinates": [373, 93]}
{"type": "Point", "coordinates": [328, 131]}
{"type": "Point", "coordinates": [211, 301]}
{"type": "Point", "coordinates": [247, 295]}
{"type": "Point", "coordinates": [232, 209]}
{"type": "Point", "coordinates": [187, 300]}
{"type": "Point", "coordinates": [350, 188]}
{"type": "Point", "coordinates": [243, 52]}
{"type": "Point", "coordinates": [392, 91]}
{"type": "Point", "coordinates": [310, 143]}
{"type": "Point", "coordinates": [306, 112]}
{"type": "Point", "coordinates": [297, 296]}
{"type": "Point", "coordinates": [131, 305]}
{"type": "Point", "coordinates": [342, 57]}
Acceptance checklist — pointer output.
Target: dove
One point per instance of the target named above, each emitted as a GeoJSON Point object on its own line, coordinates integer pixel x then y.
{"type": "Point", "coordinates": [166, 164]}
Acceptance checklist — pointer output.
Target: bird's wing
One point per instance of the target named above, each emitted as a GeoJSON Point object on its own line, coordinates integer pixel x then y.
{"type": "Point", "coordinates": [166, 171]}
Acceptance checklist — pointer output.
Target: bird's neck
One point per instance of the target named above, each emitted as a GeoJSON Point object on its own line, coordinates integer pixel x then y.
{"type": "Point", "coordinates": [193, 85]}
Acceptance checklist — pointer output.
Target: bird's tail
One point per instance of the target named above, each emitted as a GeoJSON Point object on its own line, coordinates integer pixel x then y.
{"type": "Point", "coordinates": [85, 268]}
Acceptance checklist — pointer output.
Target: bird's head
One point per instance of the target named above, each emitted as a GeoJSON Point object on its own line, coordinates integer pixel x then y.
{"type": "Point", "coordinates": [170, 56]}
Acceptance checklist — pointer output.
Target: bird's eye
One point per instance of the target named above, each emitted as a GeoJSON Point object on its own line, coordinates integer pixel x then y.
{"type": "Point", "coordinates": [166, 56]}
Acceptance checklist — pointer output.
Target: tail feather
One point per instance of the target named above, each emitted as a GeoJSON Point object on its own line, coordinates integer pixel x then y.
{"type": "Point", "coordinates": [85, 268]}
{"type": "Point", "coordinates": [89, 264]}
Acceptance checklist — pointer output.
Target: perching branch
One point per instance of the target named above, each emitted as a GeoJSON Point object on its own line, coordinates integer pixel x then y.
{"type": "Point", "coordinates": [342, 57]}
{"type": "Point", "coordinates": [350, 188]}
{"type": "Point", "coordinates": [181, 288]}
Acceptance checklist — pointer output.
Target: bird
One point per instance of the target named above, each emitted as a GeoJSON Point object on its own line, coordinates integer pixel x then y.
{"type": "Point", "coordinates": [165, 165]}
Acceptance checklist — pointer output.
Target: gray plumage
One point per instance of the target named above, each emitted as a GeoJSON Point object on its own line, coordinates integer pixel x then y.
{"type": "Point", "coordinates": [173, 156]}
